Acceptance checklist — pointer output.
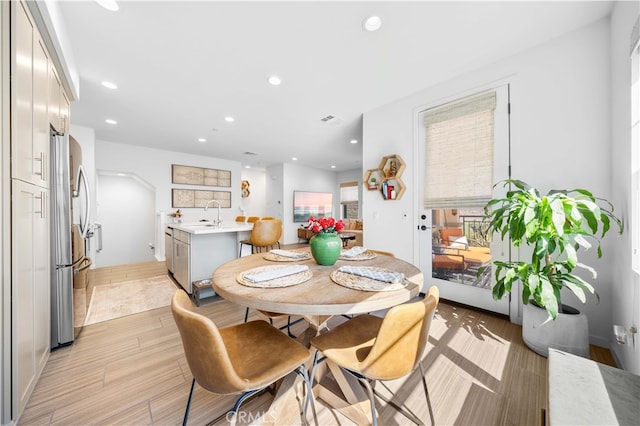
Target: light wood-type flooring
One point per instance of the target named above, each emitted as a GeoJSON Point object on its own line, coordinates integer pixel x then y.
{"type": "Point", "coordinates": [132, 371]}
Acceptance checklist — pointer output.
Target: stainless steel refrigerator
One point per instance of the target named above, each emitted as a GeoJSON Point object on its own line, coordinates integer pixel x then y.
{"type": "Point", "coordinates": [62, 261]}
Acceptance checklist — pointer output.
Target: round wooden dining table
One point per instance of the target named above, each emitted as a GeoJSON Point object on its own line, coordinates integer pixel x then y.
{"type": "Point", "coordinates": [317, 300]}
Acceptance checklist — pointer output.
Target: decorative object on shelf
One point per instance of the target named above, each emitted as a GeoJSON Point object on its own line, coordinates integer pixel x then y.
{"type": "Point", "coordinates": [372, 179]}
{"type": "Point", "coordinates": [189, 175]}
{"type": "Point", "coordinates": [245, 188]}
{"type": "Point", "coordinates": [555, 226]}
{"type": "Point", "coordinates": [326, 245]}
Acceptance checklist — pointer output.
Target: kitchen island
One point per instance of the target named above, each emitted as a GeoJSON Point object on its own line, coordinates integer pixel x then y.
{"type": "Point", "coordinates": [197, 249]}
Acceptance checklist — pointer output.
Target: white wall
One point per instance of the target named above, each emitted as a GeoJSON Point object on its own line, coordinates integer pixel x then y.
{"type": "Point", "coordinates": [127, 210]}
{"type": "Point", "coordinates": [154, 166]}
{"type": "Point", "coordinates": [560, 139]}
{"type": "Point", "coordinates": [255, 203]}
{"type": "Point", "coordinates": [625, 284]}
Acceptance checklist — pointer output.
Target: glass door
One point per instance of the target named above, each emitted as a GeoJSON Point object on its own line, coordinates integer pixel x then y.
{"type": "Point", "coordinates": [464, 150]}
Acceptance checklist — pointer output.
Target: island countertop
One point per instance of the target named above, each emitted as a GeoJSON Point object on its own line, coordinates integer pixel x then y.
{"type": "Point", "coordinates": [198, 228]}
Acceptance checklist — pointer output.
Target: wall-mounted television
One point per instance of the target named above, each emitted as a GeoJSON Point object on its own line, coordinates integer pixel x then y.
{"type": "Point", "coordinates": [308, 203]}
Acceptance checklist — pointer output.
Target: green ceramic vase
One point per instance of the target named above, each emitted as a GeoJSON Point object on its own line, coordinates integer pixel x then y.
{"type": "Point", "coordinates": [326, 248]}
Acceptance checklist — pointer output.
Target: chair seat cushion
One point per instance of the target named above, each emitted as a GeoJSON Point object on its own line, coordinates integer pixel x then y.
{"type": "Point", "coordinates": [257, 349]}
{"type": "Point", "coordinates": [349, 343]}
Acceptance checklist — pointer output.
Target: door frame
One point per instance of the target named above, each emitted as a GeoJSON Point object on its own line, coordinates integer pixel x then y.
{"type": "Point", "coordinates": [508, 305]}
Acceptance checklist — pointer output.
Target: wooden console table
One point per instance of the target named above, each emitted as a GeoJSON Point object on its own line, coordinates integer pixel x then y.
{"type": "Point", "coordinates": [305, 234]}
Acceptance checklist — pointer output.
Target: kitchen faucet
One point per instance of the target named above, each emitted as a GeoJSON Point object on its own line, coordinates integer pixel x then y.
{"type": "Point", "coordinates": [206, 207]}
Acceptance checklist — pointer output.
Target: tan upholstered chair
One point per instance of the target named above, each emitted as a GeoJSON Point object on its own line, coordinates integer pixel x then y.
{"type": "Point", "coordinates": [252, 219]}
{"type": "Point", "coordinates": [268, 218]}
{"type": "Point", "coordinates": [386, 253]}
{"type": "Point", "coordinates": [241, 219]}
{"type": "Point", "coordinates": [372, 348]}
{"type": "Point", "coordinates": [241, 359]}
{"type": "Point", "coordinates": [265, 235]}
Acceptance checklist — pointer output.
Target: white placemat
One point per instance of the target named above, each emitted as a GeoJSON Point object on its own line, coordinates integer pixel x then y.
{"type": "Point", "coordinates": [274, 276]}
{"type": "Point", "coordinates": [359, 282]}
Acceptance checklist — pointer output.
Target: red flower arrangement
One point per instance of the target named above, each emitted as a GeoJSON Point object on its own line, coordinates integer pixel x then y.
{"type": "Point", "coordinates": [325, 225]}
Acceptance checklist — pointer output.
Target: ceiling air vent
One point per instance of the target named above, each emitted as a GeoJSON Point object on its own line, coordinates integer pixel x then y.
{"type": "Point", "coordinates": [331, 119]}
{"type": "Point", "coordinates": [250, 153]}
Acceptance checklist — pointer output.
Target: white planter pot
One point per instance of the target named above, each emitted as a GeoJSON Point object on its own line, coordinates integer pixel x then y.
{"type": "Point", "coordinates": [568, 332]}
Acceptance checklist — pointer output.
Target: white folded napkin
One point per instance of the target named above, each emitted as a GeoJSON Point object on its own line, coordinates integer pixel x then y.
{"type": "Point", "coordinates": [273, 273]}
{"type": "Point", "coordinates": [353, 251]}
{"type": "Point", "coordinates": [363, 271]}
{"type": "Point", "coordinates": [288, 253]}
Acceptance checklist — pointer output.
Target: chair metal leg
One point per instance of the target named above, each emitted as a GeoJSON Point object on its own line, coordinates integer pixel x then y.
{"type": "Point", "coordinates": [426, 392]}
{"type": "Point", "coordinates": [309, 399]}
{"type": "Point", "coordinates": [186, 412]}
{"type": "Point", "coordinates": [365, 382]}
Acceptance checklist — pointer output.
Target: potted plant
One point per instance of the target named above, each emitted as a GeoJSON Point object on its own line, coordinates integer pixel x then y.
{"type": "Point", "coordinates": [555, 226]}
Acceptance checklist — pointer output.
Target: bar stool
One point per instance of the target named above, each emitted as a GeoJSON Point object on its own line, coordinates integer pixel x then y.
{"type": "Point", "coordinates": [265, 235]}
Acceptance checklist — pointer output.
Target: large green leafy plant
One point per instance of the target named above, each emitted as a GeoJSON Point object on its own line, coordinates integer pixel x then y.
{"type": "Point", "coordinates": [556, 226]}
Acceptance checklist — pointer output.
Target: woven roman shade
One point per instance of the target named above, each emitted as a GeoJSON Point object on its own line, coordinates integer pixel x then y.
{"type": "Point", "coordinates": [458, 169]}
{"type": "Point", "coordinates": [348, 192]}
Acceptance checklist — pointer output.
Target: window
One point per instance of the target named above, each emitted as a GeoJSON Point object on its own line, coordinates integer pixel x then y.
{"type": "Point", "coordinates": [459, 152]}
{"type": "Point", "coordinates": [349, 200]}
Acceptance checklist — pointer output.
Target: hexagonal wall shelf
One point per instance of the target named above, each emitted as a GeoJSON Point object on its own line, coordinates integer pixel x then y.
{"type": "Point", "coordinates": [387, 177]}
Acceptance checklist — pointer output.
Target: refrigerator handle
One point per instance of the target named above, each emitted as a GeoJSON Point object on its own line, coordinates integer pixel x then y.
{"type": "Point", "coordinates": [84, 227]}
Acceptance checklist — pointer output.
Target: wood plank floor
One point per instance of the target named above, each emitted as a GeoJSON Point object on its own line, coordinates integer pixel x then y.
{"type": "Point", "coordinates": [132, 371]}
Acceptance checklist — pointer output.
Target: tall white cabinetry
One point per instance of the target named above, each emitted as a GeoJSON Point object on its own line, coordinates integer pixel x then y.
{"type": "Point", "coordinates": [37, 102]}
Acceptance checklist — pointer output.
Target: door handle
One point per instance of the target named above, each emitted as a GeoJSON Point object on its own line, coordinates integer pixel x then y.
{"type": "Point", "coordinates": [43, 205]}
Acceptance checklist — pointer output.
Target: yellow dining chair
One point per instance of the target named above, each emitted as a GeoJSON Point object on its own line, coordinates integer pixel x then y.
{"type": "Point", "coordinates": [387, 253]}
{"type": "Point", "coordinates": [268, 218]}
{"type": "Point", "coordinates": [241, 219]}
{"type": "Point", "coordinates": [252, 219]}
{"type": "Point", "coordinates": [265, 235]}
{"type": "Point", "coordinates": [240, 359]}
{"type": "Point", "coordinates": [373, 348]}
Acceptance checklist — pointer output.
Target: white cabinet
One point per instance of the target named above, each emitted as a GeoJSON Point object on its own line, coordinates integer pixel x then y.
{"type": "Point", "coordinates": [196, 256]}
{"type": "Point", "coordinates": [30, 277]}
{"type": "Point", "coordinates": [32, 106]}
{"type": "Point", "coordinates": [182, 259]}
{"type": "Point", "coordinates": [29, 100]}
{"type": "Point", "coordinates": [58, 102]}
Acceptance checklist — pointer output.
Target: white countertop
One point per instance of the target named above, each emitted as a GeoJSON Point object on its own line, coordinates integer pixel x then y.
{"type": "Point", "coordinates": [198, 228]}
{"type": "Point", "coordinates": [584, 392]}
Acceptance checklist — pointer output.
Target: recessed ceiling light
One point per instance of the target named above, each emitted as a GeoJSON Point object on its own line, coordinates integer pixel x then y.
{"type": "Point", "coordinates": [333, 166]}
{"type": "Point", "coordinates": [110, 121]}
{"type": "Point", "coordinates": [109, 4]}
{"type": "Point", "coordinates": [229, 119]}
{"type": "Point", "coordinates": [247, 166]}
{"type": "Point", "coordinates": [294, 158]}
{"type": "Point", "coordinates": [274, 80]}
{"type": "Point", "coordinates": [353, 141]}
{"type": "Point", "coordinates": [372, 23]}
{"type": "Point", "coordinates": [109, 85]}
{"type": "Point", "coordinates": [202, 140]}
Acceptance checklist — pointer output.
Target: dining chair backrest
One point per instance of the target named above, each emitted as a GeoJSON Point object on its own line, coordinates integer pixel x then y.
{"type": "Point", "coordinates": [387, 253]}
{"type": "Point", "coordinates": [402, 339]}
{"type": "Point", "coordinates": [268, 218]}
{"type": "Point", "coordinates": [241, 219]}
{"type": "Point", "coordinates": [204, 348]}
{"type": "Point", "coordinates": [266, 232]}
{"type": "Point", "coordinates": [252, 219]}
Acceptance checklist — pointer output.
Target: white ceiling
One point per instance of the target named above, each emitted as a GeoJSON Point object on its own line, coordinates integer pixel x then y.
{"type": "Point", "coordinates": [181, 67]}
